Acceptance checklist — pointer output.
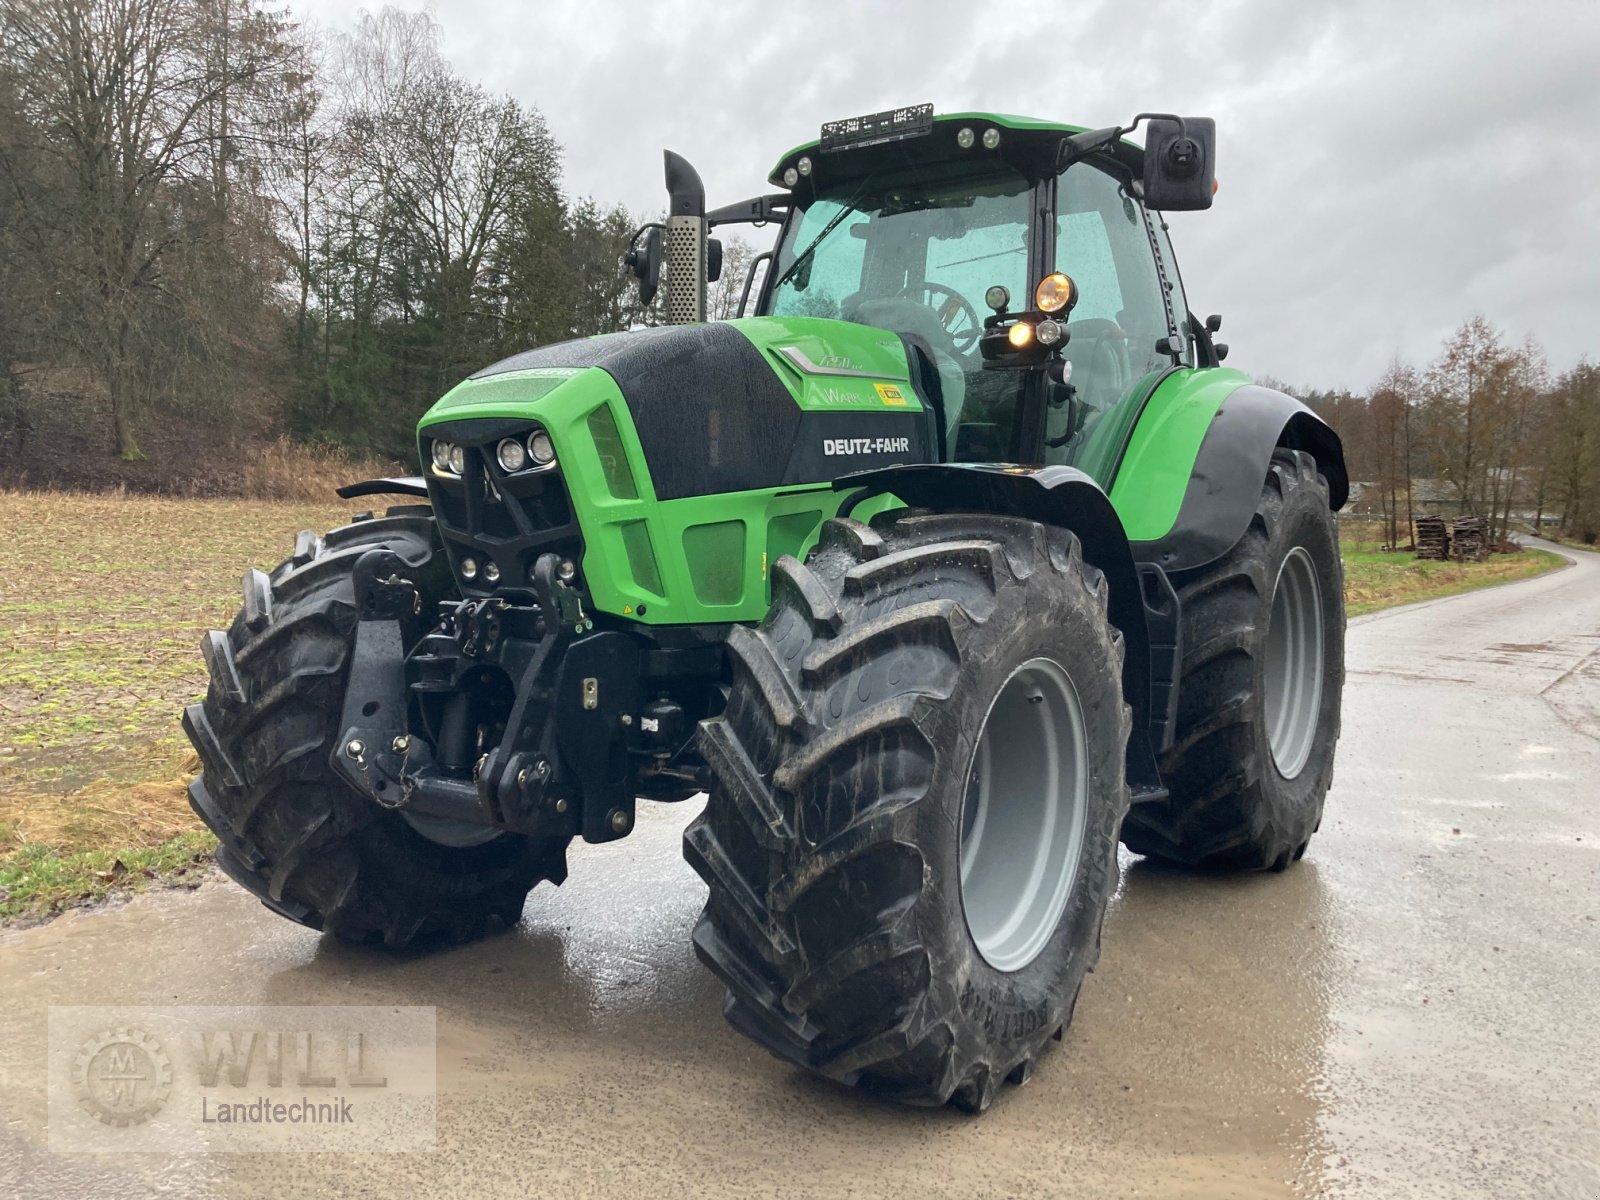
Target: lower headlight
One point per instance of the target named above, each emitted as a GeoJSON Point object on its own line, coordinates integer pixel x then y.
{"type": "Point", "coordinates": [458, 460]}
{"type": "Point", "coordinates": [441, 457]}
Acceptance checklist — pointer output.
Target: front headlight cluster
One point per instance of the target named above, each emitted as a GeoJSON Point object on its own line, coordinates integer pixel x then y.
{"type": "Point", "coordinates": [532, 453]}
{"type": "Point", "coordinates": [449, 458]}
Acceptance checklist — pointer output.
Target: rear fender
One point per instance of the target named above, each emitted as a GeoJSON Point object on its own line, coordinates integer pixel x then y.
{"type": "Point", "coordinates": [1054, 495]}
{"type": "Point", "coordinates": [1225, 484]}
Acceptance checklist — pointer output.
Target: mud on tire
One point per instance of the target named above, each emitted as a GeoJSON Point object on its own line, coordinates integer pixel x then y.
{"type": "Point", "coordinates": [832, 839]}
{"type": "Point", "coordinates": [291, 831]}
{"type": "Point", "coordinates": [1230, 804]}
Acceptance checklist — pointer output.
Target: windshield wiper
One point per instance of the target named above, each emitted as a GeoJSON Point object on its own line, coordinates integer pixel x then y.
{"type": "Point", "coordinates": [805, 255]}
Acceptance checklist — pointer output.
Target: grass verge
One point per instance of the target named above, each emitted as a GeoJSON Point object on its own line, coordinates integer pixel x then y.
{"type": "Point", "coordinates": [1378, 579]}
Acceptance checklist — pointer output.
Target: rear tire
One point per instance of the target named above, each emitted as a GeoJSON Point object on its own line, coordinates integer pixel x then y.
{"type": "Point", "coordinates": [292, 832]}
{"type": "Point", "coordinates": [1258, 704]}
{"type": "Point", "coordinates": [846, 768]}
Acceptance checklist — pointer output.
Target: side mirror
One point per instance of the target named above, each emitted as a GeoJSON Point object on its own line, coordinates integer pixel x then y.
{"type": "Point", "coordinates": [713, 259]}
{"type": "Point", "coordinates": [644, 260]}
{"type": "Point", "coordinates": [1180, 158]}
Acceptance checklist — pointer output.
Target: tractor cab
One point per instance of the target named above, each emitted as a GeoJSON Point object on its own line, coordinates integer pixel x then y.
{"type": "Point", "coordinates": [1021, 258]}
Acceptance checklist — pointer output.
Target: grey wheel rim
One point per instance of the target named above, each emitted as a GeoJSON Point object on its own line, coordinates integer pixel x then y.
{"type": "Point", "coordinates": [1024, 815]}
{"type": "Point", "coordinates": [1292, 674]}
{"type": "Point", "coordinates": [447, 832]}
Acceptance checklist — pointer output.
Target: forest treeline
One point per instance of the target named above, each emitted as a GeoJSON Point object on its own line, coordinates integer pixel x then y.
{"type": "Point", "coordinates": [219, 228]}
{"type": "Point", "coordinates": [220, 221]}
{"type": "Point", "coordinates": [1485, 429]}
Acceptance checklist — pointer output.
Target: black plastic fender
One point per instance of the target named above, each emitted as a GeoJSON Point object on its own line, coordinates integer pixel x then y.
{"type": "Point", "coordinates": [408, 485]}
{"type": "Point", "coordinates": [1054, 495]}
{"type": "Point", "coordinates": [1225, 484]}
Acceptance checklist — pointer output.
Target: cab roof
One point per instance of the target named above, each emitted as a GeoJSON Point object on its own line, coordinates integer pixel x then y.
{"type": "Point", "coordinates": [1030, 141]}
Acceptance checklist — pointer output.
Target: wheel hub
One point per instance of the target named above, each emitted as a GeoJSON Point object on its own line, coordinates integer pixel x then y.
{"type": "Point", "coordinates": [1024, 815]}
{"type": "Point", "coordinates": [1292, 672]}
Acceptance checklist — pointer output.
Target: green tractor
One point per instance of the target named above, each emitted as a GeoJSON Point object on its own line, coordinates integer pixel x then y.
{"type": "Point", "coordinates": [961, 559]}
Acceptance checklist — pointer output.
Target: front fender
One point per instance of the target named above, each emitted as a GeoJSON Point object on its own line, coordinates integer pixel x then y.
{"type": "Point", "coordinates": [404, 485]}
{"type": "Point", "coordinates": [1054, 495]}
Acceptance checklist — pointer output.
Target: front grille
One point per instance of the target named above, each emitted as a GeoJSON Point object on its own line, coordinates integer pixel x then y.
{"type": "Point", "coordinates": [490, 516]}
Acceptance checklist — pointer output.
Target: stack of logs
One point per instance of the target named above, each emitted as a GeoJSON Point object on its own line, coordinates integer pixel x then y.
{"type": "Point", "coordinates": [1467, 540]}
{"type": "Point", "coordinates": [1433, 539]}
{"type": "Point", "coordinates": [1463, 539]}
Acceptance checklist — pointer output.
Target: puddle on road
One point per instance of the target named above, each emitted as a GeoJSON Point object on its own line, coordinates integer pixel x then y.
{"type": "Point", "coordinates": [1191, 1067]}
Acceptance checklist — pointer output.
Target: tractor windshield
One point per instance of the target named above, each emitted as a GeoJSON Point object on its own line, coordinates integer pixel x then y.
{"type": "Point", "coordinates": [914, 253]}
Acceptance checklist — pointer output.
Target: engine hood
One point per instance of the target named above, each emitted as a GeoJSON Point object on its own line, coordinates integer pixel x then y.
{"type": "Point", "coordinates": [733, 406]}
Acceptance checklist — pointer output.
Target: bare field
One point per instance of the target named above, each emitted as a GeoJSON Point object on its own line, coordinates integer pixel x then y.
{"type": "Point", "coordinates": [103, 601]}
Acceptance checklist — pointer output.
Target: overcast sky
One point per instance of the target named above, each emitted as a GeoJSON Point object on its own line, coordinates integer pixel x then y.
{"type": "Point", "coordinates": [1387, 168]}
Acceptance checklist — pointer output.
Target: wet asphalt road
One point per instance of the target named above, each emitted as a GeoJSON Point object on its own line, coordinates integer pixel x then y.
{"type": "Point", "coordinates": [1411, 1011]}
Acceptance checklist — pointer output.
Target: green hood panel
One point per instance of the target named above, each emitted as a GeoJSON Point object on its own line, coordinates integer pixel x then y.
{"type": "Point", "coordinates": [693, 456]}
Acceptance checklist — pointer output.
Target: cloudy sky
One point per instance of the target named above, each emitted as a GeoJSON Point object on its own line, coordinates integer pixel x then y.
{"type": "Point", "coordinates": [1387, 167]}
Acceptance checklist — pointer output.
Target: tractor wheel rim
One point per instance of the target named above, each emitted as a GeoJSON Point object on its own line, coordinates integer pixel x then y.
{"type": "Point", "coordinates": [445, 831]}
{"type": "Point", "coordinates": [1292, 675]}
{"type": "Point", "coordinates": [1024, 815]}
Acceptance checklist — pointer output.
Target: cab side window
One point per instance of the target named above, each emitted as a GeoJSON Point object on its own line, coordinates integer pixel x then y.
{"type": "Point", "coordinates": [1102, 242]}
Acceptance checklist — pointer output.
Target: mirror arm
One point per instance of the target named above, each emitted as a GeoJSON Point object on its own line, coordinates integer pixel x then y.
{"type": "Point", "coordinates": [756, 211]}
{"type": "Point", "coordinates": [1081, 144]}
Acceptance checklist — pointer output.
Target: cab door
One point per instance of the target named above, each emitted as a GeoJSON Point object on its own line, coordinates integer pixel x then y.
{"type": "Point", "coordinates": [1105, 242]}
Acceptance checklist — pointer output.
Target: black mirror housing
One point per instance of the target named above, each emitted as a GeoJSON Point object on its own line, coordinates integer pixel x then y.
{"type": "Point", "coordinates": [644, 260]}
{"type": "Point", "coordinates": [1180, 158]}
{"type": "Point", "coordinates": [713, 259]}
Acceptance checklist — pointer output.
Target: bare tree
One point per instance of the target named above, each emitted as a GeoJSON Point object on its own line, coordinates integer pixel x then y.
{"type": "Point", "coordinates": [113, 148]}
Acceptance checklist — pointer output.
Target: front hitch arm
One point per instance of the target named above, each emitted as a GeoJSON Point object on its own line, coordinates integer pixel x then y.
{"type": "Point", "coordinates": [575, 692]}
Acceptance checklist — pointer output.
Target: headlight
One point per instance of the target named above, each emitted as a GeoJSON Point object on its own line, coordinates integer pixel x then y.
{"type": "Point", "coordinates": [469, 568]}
{"type": "Point", "coordinates": [458, 459]}
{"type": "Point", "coordinates": [541, 448]}
{"type": "Point", "coordinates": [441, 457]}
{"type": "Point", "coordinates": [511, 454]}
{"type": "Point", "coordinates": [1020, 335]}
{"type": "Point", "coordinates": [1049, 332]}
{"type": "Point", "coordinates": [1054, 294]}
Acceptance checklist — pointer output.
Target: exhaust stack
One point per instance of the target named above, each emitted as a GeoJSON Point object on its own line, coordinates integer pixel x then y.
{"type": "Point", "coordinates": [685, 284]}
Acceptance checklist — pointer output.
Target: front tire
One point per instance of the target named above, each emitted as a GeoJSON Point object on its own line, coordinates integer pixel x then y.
{"type": "Point", "coordinates": [1258, 703]}
{"type": "Point", "coordinates": [292, 832]}
{"type": "Point", "coordinates": [911, 837]}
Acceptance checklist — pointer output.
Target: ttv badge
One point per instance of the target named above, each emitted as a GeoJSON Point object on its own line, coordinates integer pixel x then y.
{"type": "Point", "coordinates": [122, 1077]}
